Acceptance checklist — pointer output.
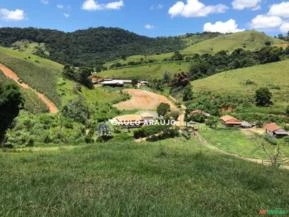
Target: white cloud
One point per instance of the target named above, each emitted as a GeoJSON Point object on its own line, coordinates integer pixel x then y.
{"type": "Point", "coordinates": [266, 22]}
{"type": "Point", "coordinates": [44, 2]}
{"type": "Point", "coordinates": [12, 15]}
{"type": "Point", "coordinates": [284, 28]}
{"type": "Point", "coordinates": [60, 6]}
{"type": "Point", "coordinates": [243, 4]}
{"type": "Point", "coordinates": [157, 7]}
{"type": "Point", "coordinates": [66, 15]}
{"type": "Point", "coordinates": [229, 26]}
{"type": "Point", "coordinates": [281, 10]}
{"type": "Point", "coordinates": [149, 26]}
{"type": "Point", "coordinates": [195, 8]}
{"type": "Point", "coordinates": [92, 5]}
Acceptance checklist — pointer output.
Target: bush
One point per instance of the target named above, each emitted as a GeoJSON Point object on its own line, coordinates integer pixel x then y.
{"type": "Point", "coordinates": [163, 109]}
{"type": "Point", "coordinates": [149, 131]}
{"type": "Point", "coordinates": [272, 140]}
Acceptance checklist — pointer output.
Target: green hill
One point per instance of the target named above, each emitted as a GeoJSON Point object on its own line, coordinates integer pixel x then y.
{"type": "Point", "coordinates": [154, 66]}
{"type": "Point", "coordinates": [244, 82]}
{"type": "Point", "coordinates": [249, 40]}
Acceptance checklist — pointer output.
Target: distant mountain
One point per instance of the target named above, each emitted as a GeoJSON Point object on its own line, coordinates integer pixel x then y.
{"type": "Point", "coordinates": [90, 46]}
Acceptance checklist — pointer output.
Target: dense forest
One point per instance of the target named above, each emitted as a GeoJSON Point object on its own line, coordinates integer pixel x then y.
{"type": "Point", "coordinates": [91, 46]}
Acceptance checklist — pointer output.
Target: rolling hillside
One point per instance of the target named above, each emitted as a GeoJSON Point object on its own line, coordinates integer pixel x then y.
{"type": "Point", "coordinates": [249, 40]}
{"type": "Point", "coordinates": [244, 82]}
{"type": "Point", "coordinates": [154, 66]}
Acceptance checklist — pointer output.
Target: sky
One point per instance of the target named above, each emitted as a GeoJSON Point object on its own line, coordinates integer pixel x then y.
{"type": "Point", "coordinates": [149, 17]}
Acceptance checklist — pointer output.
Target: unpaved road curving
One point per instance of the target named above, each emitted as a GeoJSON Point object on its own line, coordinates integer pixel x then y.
{"type": "Point", "coordinates": [52, 108]}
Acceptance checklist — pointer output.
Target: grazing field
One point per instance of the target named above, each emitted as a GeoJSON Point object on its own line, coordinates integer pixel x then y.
{"type": "Point", "coordinates": [39, 73]}
{"type": "Point", "coordinates": [249, 40]}
{"type": "Point", "coordinates": [147, 71]}
{"type": "Point", "coordinates": [242, 142]}
{"type": "Point", "coordinates": [143, 100]}
{"type": "Point", "coordinates": [244, 82]}
{"type": "Point", "coordinates": [172, 178]}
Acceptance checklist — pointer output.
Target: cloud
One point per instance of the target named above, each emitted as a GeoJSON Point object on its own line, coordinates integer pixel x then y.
{"type": "Point", "coordinates": [229, 26]}
{"type": "Point", "coordinates": [243, 4]}
{"type": "Point", "coordinates": [44, 2]}
{"type": "Point", "coordinates": [60, 6]}
{"type": "Point", "coordinates": [156, 7]}
{"type": "Point", "coordinates": [284, 28]}
{"type": "Point", "coordinates": [92, 5]}
{"type": "Point", "coordinates": [66, 15]}
{"type": "Point", "coordinates": [149, 26]}
{"type": "Point", "coordinates": [195, 8]}
{"type": "Point", "coordinates": [281, 10]}
{"type": "Point", "coordinates": [12, 15]}
{"type": "Point", "coordinates": [266, 22]}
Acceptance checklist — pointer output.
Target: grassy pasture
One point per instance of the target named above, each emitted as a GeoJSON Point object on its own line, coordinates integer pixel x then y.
{"type": "Point", "coordinates": [32, 102]}
{"type": "Point", "coordinates": [172, 178]}
{"type": "Point", "coordinates": [147, 71]}
{"type": "Point", "coordinates": [275, 76]}
{"type": "Point", "coordinates": [39, 73]}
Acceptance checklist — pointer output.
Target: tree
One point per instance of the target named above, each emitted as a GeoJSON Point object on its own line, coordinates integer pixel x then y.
{"type": "Point", "coordinates": [134, 83]}
{"type": "Point", "coordinates": [212, 122]}
{"type": "Point", "coordinates": [163, 109]}
{"type": "Point", "coordinates": [11, 102]}
{"type": "Point", "coordinates": [263, 97]}
{"type": "Point", "coordinates": [188, 93]}
{"type": "Point", "coordinates": [77, 110]}
{"type": "Point", "coordinates": [177, 56]}
{"type": "Point", "coordinates": [287, 111]}
{"type": "Point", "coordinates": [84, 79]}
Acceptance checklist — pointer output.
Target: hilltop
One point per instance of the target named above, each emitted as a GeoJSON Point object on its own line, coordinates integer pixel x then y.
{"type": "Point", "coordinates": [154, 66]}
{"type": "Point", "coordinates": [95, 45]}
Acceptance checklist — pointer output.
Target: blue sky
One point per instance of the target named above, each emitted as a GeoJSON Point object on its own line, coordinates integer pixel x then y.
{"type": "Point", "coordinates": [149, 17]}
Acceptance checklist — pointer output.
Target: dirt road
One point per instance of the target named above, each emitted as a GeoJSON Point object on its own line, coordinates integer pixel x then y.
{"type": "Point", "coordinates": [13, 76]}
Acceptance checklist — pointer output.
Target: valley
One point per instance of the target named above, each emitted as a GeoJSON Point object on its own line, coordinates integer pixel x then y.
{"type": "Point", "coordinates": [70, 152]}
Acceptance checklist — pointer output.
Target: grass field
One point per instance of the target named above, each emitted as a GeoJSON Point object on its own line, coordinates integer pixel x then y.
{"type": "Point", "coordinates": [147, 71]}
{"type": "Point", "coordinates": [275, 76]}
{"type": "Point", "coordinates": [173, 178]}
{"type": "Point", "coordinates": [242, 142]}
{"type": "Point", "coordinates": [31, 100]}
{"type": "Point", "coordinates": [39, 73]}
{"type": "Point", "coordinates": [249, 40]}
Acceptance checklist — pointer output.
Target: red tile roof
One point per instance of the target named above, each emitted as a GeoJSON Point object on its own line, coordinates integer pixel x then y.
{"type": "Point", "coordinates": [272, 127]}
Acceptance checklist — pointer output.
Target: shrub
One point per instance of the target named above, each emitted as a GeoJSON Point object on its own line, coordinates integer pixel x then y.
{"type": "Point", "coordinates": [163, 109]}
{"type": "Point", "coordinates": [272, 140]}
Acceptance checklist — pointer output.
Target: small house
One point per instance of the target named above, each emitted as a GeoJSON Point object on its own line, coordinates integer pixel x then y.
{"type": "Point", "coordinates": [230, 121]}
{"type": "Point", "coordinates": [273, 129]}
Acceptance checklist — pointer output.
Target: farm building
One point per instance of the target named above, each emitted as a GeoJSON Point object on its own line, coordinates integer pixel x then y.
{"type": "Point", "coordinates": [230, 121]}
{"type": "Point", "coordinates": [274, 130]}
{"type": "Point", "coordinates": [245, 124]}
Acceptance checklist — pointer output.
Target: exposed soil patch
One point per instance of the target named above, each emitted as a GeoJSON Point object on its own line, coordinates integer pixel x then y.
{"type": "Point", "coordinates": [13, 76]}
{"type": "Point", "coordinates": [143, 100]}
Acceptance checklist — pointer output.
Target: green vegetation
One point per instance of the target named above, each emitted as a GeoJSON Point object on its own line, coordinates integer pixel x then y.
{"type": "Point", "coordinates": [39, 73]}
{"type": "Point", "coordinates": [244, 83]}
{"type": "Point", "coordinates": [171, 178]}
{"type": "Point", "coordinates": [263, 97]}
{"type": "Point", "coordinates": [11, 102]}
{"type": "Point", "coordinates": [248, 40]}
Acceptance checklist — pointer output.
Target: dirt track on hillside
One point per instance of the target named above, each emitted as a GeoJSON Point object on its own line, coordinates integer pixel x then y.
{"type": "Point", "coordinates": [13, 76]}
{"type": "Point", "coordinates": [143, 100]}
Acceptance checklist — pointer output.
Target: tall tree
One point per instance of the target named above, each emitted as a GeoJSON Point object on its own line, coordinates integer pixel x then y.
{"type": "Point", "coordinates": [11, 102]}
{"type": "Point", "coordinates": [263, 97]}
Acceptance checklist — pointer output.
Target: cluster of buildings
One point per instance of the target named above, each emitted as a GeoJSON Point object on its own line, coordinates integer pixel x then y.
{"type": "Point", "coordinates": [97, 80]}
{"type": "Point", "coordinates": [271, 129]}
